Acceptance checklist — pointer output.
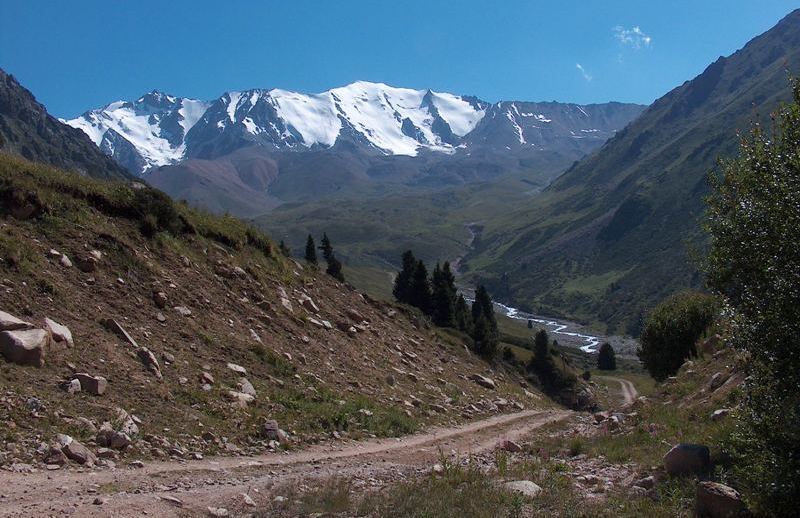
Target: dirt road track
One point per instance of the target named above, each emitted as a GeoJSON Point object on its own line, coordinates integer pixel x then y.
{"type": "Point", "coordinates": [627, 389]}
{"type": "Point", "coordinates": [219, 481]}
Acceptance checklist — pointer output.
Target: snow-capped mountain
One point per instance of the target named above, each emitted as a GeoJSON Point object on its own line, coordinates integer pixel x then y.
{"type": "Point", "coordinates": [160, 129]}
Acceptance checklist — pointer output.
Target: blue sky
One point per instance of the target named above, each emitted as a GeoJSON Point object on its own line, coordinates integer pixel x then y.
{"type": "Point", "coordinates": [80, 54]}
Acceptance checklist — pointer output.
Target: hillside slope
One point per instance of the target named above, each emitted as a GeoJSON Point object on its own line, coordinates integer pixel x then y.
{"type": "Point", "coordinates": [221, 335]}
{"type": "Point", "coordinates": [612, 235]}
{"type": "Point", "coordinates": [27, 129]}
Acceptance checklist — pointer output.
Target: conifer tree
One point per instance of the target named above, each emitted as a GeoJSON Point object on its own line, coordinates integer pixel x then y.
{"type": "Point", "coordinates": [606, 359]}
{"type": "Point", "coordinates": [421, 288]}
{"type": "Point", "coordinates": [327, 249]}
{"type": "Point", "coordinates": [402, 283]}
{"type": "Point", "coordinates": [463, 316]}
{"type": "Point", "coordinates": [284, 249]}
{"type": "Point", "coordinates": [444, 296]}
{"type": "Point", "coordinates": [311, 251]}
{"type": "Point", "coordinates": [334, 268]}
{"type": "Point", "coordinates": [541, 345]}
{"type": "Point", "coordinates": [485, 333]}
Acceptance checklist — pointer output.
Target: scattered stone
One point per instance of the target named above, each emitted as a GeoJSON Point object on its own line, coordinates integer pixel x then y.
{"type": "Point", "coordinates": [390, 379]}
{"type": "Point", "coordinates": [271, 431]}
{"type": "Point", "coordinates": [354, 315]}
{"type": "Point", "coordinates": [99, 501]}
{"type": "Point", "coordinates": [9, 322]}
{"type": "Point", "coordinates": [716, 500]}
{"type": "Point", "coordinates": [160, 299]}
{"type": "Point", "coordinates": [524, 487]}
{"type": "Point", "coordinates": [136, 464]}
{"type": "Point", "coordinates": [206, 378]}
{"type": "Point", "coordinates": [171, 499]}
{"type": "Point", "coordinates": [60, 333]}
{"type": "Point", "coordinates": [24, 346]}
{"type": "Point", "coordinates": [238, 369]}
{"type": "Point", "coordinates": [65, 262]}
{"type": "Point", "coordinates": [110, 438]}
{"type": "Point", "coordinates": [716, 381]}
{"type": "Point", "coordinates": [309, 304]}
{"type": "Point", "coordinates": [646, 482]}
{"type": "Point", "coordinates": [483, 381]}
{"type": "Point", "coordinates": [149, 360]}
{"type": "Point", "coordinates": [286, 303]}
{"type": "Point", "coordinates": [183, 311]}
{"type": "Point", "coordinates": [246, 387]}
{"type": "Point", "coordinates": [510, 446]}
{"type": "Point", "coordinates": [72, 386]}
{"type": "Point", "coordinates": [686, 459]}
{"type": "Point", "coordinates": [95, 385]}
{"type": "Point", "coordinates": [76, 451]}
{"type": "Point", "coordinates": [116, 328]}
{"type": "Point", "coordinates": [55, 455]}
{"type": "Point", "coordinates": [248, 500]}
{"type": "Point", "coordinates": [217, 511]}
{"type": "Point", "coordinates": [168, 357]}
{"type": "Point", "coordinates": [88, 263]}
{"type": "Point", "coordinates": [720, 414]}
{"type": "Point", "coordinates": [240, 399]}
{"type": "Point", "coordinates": [437, 469]}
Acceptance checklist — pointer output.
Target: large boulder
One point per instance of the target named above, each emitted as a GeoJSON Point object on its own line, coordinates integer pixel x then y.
{"type": "Point", "coordinates": [76, 451]}
{"type": "Point", "coordinates": [95, 385]}
{"type": "Point", "coordinates": [24, 346]}
{"type": "Point", "coordinates": [715, 500]}
{"type": "Point", "coordinates": [524, 487]}
{"type": "Point", "coordinates": [271, 431]}
{"type": "Point", "coordinates": [9, 322]}
{"type": "Point", "coordinates": [60, 333]}
{"type": "Point", "coordinates": [687, 459]}
{"type": "Point", "coordinates": [483, 381]}
{"type": "Point", "coordinates": [110, 438]}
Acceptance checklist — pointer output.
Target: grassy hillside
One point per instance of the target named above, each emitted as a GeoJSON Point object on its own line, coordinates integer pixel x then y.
{"type": "Point", "coordinates": [615, 233]}
{"type": "Point", "coordinates": [200, 292]}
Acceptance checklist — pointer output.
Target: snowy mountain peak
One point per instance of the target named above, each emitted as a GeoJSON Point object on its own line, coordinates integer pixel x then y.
{"type": "Point", "coordinates": [159, 129]}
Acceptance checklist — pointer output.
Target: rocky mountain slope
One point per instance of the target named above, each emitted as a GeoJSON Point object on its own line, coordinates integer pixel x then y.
{"type": "Point", "coordinates": [159, 129]}
{"type": "Point", "coordinates": [609, 237]}
{"type": "Point", "coordinates": [28, 130]}
{"type": "Point", "coordinates": [134, 327]}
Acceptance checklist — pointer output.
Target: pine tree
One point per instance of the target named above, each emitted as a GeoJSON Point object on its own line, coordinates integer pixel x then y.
{"type": "Point", "coordinates": [311, 251]}
{"type": "Point", "coordinates": [421, 288]}
{"type": "Point", "coordinates": [327, 249]}
{"type": "Point", "coordinates": [443, 296]}
{"type": "Point", "coordinates": [284, 249]}
{"type": "Point", "coordinates": [606, 359]}
{"type": "Point", "coordinates": [485, 332]}
{"type": "Point", "coordinates": [541, 345]}
{"type": "Point", "coordinates": [463, 316]}
{"type": "Point", "coordinates": [402, 283]}
{"type": "Point", "coordinates": [335, 268]}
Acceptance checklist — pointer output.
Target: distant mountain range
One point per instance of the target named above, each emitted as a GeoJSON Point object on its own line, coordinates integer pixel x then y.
{"type": "Point", "coordinates": [159, 129]}
{"type": "Point", "coordinates": [614, 234]}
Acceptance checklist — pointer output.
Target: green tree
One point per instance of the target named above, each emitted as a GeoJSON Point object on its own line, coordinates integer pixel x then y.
{"type": "Point", "coordinates": [541, 345]}
{"type": "Point", "coordinates": [606, 358]}
{"type": "Point", "coordinates": [311, 251]}
{"type": "Point", "coordinates": [463, 315]}
{"type": "Point", "coordinates": [284, 249]}
{"type": "Point", "coordinates": [754, 263]}
{"type": "Point", "coordinates": [402, 282]}
{"type": "Point", "coordinates": [485, 333]}
{"type": "Point", "coordinates": [671, 331]}
{"type": "Point", "coordinates": [421, 288]}
{"type": "Point", "coordinates": [334, 268]}
{"type": "Point", "coordinates": [444, 296]}
{"type": "Point", "coordinates": [325, 246]}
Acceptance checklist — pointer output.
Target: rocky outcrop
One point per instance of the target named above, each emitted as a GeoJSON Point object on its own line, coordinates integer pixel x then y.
{"type": "Point", "coordinates": [687, 459]}
{"type": "Point", "coordinates": [95, 385]}
{"type": "Point", "coordinates": [60, 333]}
{"type": "Point", "coordinates": [76, 451]}
{"type": "Point", "coordinates": [483, 381]}
{"type": "Point", "coordinates": [715, 500]}
{"type": "Point", "coordinates": [24, 346]}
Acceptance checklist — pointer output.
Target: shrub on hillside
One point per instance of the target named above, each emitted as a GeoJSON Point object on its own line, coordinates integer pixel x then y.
{"type": "Point", "coordinates": [754, 263]}
{"type": "Point", "coordinates": [671, 331]}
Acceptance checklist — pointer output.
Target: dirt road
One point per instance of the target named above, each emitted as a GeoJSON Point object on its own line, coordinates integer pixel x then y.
{"type": "Point", "coordinates": [627, 389]}
{"type": "Point", "coordinates": [177, 488]}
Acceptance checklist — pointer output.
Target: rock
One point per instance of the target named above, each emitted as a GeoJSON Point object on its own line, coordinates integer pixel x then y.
{"type": "Point", "coordinates": [127, 423]}
{"type": "Point", "coordinates": [271, 431]}
{"type": "Point", "coordinates": [95, 385]}
{"type": "Point", "coordinates": [355, 316]}
{"type": "Point", "coordinates": [72, 386]}
{"type": "Point", "coordinates": [390, 379]}
{"type": "Point", "coordinates": [168, 357]}
{"type": "Point", "coordinates": [510, 446]}
{"type": "Point", "coordinates": [206, 378]}
{"type": "Point", "coordinates": [646, 482]}
{"type": "Point", "coordinates": [111, 438]}
{"type": "Point", "coordinates": [76, 451]}
{"type": "Point", "coordinates": [160, 299]}
{"type": "Point", "coordinates": [149, 360]}
{"type": "Point", "coordinates": [309, 304]}
{"type": "Point", "coordinates": [99, 501]}
{"type": "Point", "coordinates": [217, 511]}
{"type": "Point", "coordinates": [238, 369]}
{"type": "Point", "coordinates": [55, 455]}
{"type": "Point", "coordinates": [240, 399]}
{"type": "Point", "coordinates": [116, 328]}
{"type": "Point", "coordinates": [716, 381]}
{"type": "Point", "coordinates": [524, 487]}
{"type": "Point", "coordinates": [687, 459]}
{"type": "Point", "coordinates": [136, 464]}
{"type": "Point", "coordinates": [170, 499]}
{"type": "Point", "coordinates": [720, 414]}
{"type": "Point", "coordinates": [65, 262]}
{"type": "Point", "coordinates": [9, 322]}
{"type": "Point", "coordinates": [286, 303]}
{"type": "Point", "coordinates": [24, 346]}
{"type": "Point", "coordinates": [87, 263]}
{"type": "Point", "coordinates": [248, 500]}
{"type": "Point", "coordinates": [437, 469]}
{"type": "Point", "coordinates": [183, 311]}
{"type": "Point", "coordinates": [59, 332]}
{"type": "Point", "coordinates": [715, 500]}
{"type": "Point", "coordinates": [246, 387]}
{"type": "Point", "coordinates": [483, 381]}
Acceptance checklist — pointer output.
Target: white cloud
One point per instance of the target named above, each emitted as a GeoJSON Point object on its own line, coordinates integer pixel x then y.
{"type": "Point", "coordinates": [634, 37]}
{"type": "Point", "coordinates": [586, 75]}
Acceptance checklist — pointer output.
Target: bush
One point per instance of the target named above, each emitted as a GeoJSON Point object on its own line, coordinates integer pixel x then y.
{"type": "Point", "coordinates": [671, 331]}
{"type": "Point", "coordinates": [606, 358]}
